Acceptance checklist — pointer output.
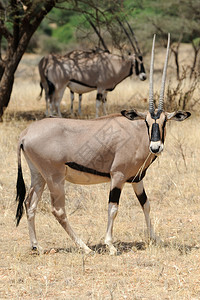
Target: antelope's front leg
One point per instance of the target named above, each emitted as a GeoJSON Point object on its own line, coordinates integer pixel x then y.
{"type": "Point", "coordinates": [142, 197]}
{"type": "Point", "coordinates": [47, 104]}
{"type": "Point", "coordinates": [114, 196]}
{"type": "Point", "coordinates": [104, 103]}
{"type": "Point", "coordinates": [72, 102]}
{"type": "Point", "coordinates": [79, 104]}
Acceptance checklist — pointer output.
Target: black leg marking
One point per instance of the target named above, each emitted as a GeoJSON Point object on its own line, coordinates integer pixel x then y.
{"type": "Point", "coordinates": [142, 198]}
{"type": "Point", "coordinates": [115, 195]}
{"type": "Point", "coordinates": [99, 96]}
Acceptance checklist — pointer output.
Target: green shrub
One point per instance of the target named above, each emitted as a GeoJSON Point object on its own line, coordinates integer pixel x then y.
{"type": "Point", "coordinates": [50, 45]}
{"type": "Point", "coordinates": [64, 34]}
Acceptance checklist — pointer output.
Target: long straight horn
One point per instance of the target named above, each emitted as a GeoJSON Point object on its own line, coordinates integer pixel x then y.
{"type": "Point", "coordinates": [151, 104]}
{"type": "Point", "coordinates": [127, 34]}
{"type": "Point", "coordinates": [134, 37]}
{"type": "Point", "coordinates": [161, 99]}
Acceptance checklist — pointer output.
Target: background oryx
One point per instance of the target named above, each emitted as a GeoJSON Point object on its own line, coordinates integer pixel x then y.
{"type": "Point", "coordinates": [85, 71]}
{"type": "Point", "coordinates": [117, 148]}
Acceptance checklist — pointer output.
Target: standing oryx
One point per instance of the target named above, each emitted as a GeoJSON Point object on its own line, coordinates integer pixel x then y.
{"type": "Point", "coordinates": [85, 71]}
{"type": "Point", "coordinates": [116, 148]}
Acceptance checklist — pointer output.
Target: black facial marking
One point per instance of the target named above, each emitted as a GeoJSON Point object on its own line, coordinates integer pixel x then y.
{"type": "Point", "coordinates": [22, 146]}
{"type": "Point", "coordinates": [147, 126]}
{"type": "Point", "coordinates": [155, 133]}
{"type": "Point", "coordinates": [163, 131]}
{"type": "Point", "coordinates": [140, 58]}
{"type": "Point", "coordinates": [84, 169]}
{"type": "Point", "coordinates": [157, 115]}
{"type": "Point", "coordinates": [142, 198]}
{"type": "Point", "coordinates": [142, 69]}
{"type": "Point", "coordinates": [115, 195]}
{"type": "Point", "coordinates": [136, 67]}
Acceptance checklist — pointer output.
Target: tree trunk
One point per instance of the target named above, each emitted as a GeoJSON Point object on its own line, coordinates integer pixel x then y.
{"type": "Point", "coordinates": [6, 86]}
{"type": "Point", "coordinates": [7, 76]}
{"type": "Point", "coordinates": [17, 45]}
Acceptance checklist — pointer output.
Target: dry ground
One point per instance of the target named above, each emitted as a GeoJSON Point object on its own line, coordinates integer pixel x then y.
{"type": "Point", "coordinates": [140, 271]}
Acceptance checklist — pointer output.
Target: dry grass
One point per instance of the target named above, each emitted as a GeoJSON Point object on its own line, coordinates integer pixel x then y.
{"type": "Point", "coordinates": [140, 271]}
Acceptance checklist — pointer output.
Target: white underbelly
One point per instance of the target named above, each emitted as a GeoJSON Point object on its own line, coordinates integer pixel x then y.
{"type": "Point", "coordinates": [78, 88]}
{"type": "Point", "coordinates": [79, 177]}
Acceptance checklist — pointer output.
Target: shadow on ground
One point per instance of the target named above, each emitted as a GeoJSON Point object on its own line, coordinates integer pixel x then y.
{"type": "Point", "coordinates": [122, 247]}
{"type": "Point", "coordinates": [125, 247]}
{"type": "Point", "coordinates": [31, 115]}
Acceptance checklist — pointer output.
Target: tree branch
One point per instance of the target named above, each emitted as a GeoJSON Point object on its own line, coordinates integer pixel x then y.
{"type": "Point", "coordinates": [98, 34]}
{"type": "Point", "coordinates": [5, 32]}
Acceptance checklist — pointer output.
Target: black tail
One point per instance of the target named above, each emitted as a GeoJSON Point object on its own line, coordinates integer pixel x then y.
{"type": "Point", "coordinates": [40, 95]}
{"type": "Point", "coordinates": [21, 189]}
{"type": "Point", "coordinates": [50, 85]}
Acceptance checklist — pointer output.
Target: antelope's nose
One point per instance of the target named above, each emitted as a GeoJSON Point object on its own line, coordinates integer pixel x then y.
{"type": "Point", "coordinates": [156, 147]}
{"type": "Point", "coordinates": [142, 76]}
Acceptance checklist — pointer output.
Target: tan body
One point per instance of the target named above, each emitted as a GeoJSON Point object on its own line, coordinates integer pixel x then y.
{"type": "Point", "coordinates": [108, 139]}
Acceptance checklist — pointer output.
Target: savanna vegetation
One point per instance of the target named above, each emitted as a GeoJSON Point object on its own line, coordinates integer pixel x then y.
{"type": "Point", "coordinates": [53, 25]}
{"type": "Point", "coordinates": [142, 270]}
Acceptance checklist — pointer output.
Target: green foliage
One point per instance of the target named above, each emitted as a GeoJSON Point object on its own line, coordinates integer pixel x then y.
{"type": "Point", "coordinates": [180, 18]}
{"type": "Point", "coordinates": [147, 17]}
{"type": "Point", "coordinates": [45, 28]}
{"type": "Point", "coordinates": [64, 34]}
{"type": "Point", "coordinates": [197, 42]}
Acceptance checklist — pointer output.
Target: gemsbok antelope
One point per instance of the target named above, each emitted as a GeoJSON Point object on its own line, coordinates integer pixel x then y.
{"type": "Point", "coordinates": [83, 72]}
{"type": "Point", "coordinates": [116, 148]}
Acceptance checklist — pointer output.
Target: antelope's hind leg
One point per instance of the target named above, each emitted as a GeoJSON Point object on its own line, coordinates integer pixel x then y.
{"type": "Point", "coordinates": [31, 202]}
{"type": "Point", "coordinates": [57, 192]}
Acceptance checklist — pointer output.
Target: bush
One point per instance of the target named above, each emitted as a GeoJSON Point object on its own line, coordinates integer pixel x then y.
{"type": "Point", "coordinates": [180, 96]}
{"type": "Point", "coordinates": [50, 45]}
{"type": "Point", "coordinates": [34, 43]}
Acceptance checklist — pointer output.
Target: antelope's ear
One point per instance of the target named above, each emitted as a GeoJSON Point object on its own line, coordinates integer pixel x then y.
{"type": "Point", "coordinates": [178, 115]}
{"type": "Point", "coordinates": [133, 114]}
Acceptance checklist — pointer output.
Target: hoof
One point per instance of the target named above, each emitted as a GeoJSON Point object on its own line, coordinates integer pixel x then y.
{"type": "Point", "coordinates": [36, 250]}
{"type": "Point", "coordinates": [156, 240]}
{"type": "Point", "coordinates": [88, 251]}
{"type": "Point", "coordinates": [112, 250]}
